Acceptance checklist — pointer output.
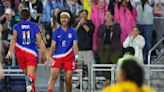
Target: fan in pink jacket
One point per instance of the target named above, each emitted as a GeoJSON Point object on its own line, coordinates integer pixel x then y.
{"type": "Point", "coordinates": [125, 14]}
{"type": "Point", "coordinates": [97, 17]}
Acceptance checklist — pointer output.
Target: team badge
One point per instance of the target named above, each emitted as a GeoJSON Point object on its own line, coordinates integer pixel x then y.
{"type": "Point", "coordinates": [69, 35]}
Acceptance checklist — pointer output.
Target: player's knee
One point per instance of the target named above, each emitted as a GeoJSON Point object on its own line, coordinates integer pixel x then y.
{"type": "Point", "coordinates": [68, 77]}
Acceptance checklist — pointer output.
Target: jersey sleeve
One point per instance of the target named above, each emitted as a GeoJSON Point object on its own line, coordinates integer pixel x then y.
{"type": "Point", "coordinates": [54, 36]}
{"type": "Point", "coordinates": [15, 27]}
{"type": "Point", "coordinates": [37, 30]}
{"type": "Point", "coordinates": [75, 35]}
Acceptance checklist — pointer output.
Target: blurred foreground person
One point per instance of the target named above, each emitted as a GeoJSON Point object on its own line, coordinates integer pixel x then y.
{"type": "Point", "coordinates": [127, 79]}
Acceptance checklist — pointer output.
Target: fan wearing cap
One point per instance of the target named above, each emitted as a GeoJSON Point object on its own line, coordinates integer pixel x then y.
{"type": "Point", "coordinates": [7, 24]}
{"type": "Point", "coordinates": [64, 50]}
{"type": "Point", "coordinates": [5, 4]}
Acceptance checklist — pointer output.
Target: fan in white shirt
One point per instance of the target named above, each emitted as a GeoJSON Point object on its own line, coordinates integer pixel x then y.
{"type": "Point", "coordinates": [136, 41]}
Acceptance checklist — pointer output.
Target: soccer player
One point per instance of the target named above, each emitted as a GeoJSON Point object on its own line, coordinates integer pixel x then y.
{"type": "Point", "coordinates": [64, 49]}
{"type": "Point", "coordinates": [25, 36]}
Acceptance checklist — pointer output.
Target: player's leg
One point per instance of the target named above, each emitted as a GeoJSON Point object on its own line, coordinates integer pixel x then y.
{"type": "Point", "coordinates": [55, 70]}
{"type": "Point", "coordinates": [69, 66]}
{"type": "Point", "coordinates": [31, 73]}
{"type": "Point", "coordinates": [31, 61]}
{"type": "Point", "coordinates": [53, 78]}
{"type": "Point", "coordinates": [68, 80]}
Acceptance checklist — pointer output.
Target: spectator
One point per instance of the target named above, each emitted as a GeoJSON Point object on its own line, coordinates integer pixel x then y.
{"type": "Point", "coordinates": [1, 8]}
{"type": "Point", "coordinates": [145, 24]}
{"type": "Point", "coordinates": [86, 5]}
{"type": "Point", "coordinates": [74, 7]}
{"type": "Point", "coordinates": [8, 24]}
{"type": "Point", "coordinates": [98, 9]}
{"type": "Point", "coordinates": [15, 4]}
{"type": "Point", "coordinates": [48, 7]}
{"type": "Point", "coordinates": [45, 19]}
{"type": "Point", "coordinates": [56, 4]}
{"type": "Point", "coordinates": [54, 23]}
{"type": "Point", "coordinates": [110, 49]}
{"type": "Point", "coordinates": [129, 53]}
{"type": "Point", "coordinates": [158, 8]}
{"type": "Point", "coordinates": [6, 4]}
{"type": "Point", "coordinates": [136, 41]}
{"type": "Point", "coordinates": [158, 21]}
{"type": "Point", "coordinates": [127, 79]}
{"type": "Point", "coordinates": [36, 9]}
{"type": "Point", "coordinates": [21, 6]}
{"type": "Point", "coordinates": [6, 30]}
{"type": "Point", "coordinates": [85, 30]}
{"type": "Point", "coordinates": [125, 14]}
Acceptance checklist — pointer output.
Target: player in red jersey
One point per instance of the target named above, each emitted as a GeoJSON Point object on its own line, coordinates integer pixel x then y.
{"type": "Point", "coordinates": [64, 50]}
{"type": "Point", "coordinates": [25, 36]}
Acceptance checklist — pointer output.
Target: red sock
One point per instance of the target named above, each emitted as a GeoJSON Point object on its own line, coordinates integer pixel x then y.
{"type": "Point", "coordinates": [50, 90]}
{"type": "Point", "coordinates": [32, 76]}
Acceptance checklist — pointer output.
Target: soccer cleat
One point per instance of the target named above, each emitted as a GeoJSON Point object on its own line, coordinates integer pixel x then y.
{"type": "Point", "coordinates": [28, 84]}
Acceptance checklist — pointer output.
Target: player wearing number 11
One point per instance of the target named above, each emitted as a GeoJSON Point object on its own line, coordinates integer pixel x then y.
{"type": "Point", "coordinates": [25, 36]}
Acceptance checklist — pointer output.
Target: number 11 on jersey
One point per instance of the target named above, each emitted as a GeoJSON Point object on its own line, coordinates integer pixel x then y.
{"type": "Point", "coordinates": [26, 37]}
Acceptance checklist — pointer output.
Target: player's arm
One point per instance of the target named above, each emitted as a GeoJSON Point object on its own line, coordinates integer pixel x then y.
{"type": "Point", "coordinates": [75, 47]}
{"type": "Point", "coordinates": [52, 48]}
{"type": "Point", "coordinates": [12, 45]}
{"type": "Point", "coordinates": [42, 46]}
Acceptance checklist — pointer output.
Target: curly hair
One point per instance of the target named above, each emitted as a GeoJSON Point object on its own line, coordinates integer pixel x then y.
{"type": "Point", "coordinates": [131, 68]}
{"type": "Point", "coordinates": [71, 21]}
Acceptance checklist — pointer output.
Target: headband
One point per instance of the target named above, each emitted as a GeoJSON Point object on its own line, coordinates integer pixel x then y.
{"type": "Point", "coordinates": [66, 13]}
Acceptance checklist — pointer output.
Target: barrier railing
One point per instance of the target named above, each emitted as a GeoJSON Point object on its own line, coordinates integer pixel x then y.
{"type": "Point", "coordinates": [153, 48]}
{"type": "Point", "coordinates": [19, 72]}
{"type": "Point", "coordinates": [149, 70]}
{"type": "Point", "coordinates": [102, 67]}
{"type": "Point", "coordinates": [13, 72]}
{"type": "Point", "coordinates": [112, 68]}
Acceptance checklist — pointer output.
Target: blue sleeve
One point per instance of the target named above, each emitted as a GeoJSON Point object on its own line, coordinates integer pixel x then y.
{"type": "Point", "coordinates": [15, 27]}
{"type": "Point", "coordinates": [75, 35]}
{"type": "Point", "coordinates": [36, 29]}
{"type": "Point", "coordinates": [54, 36]}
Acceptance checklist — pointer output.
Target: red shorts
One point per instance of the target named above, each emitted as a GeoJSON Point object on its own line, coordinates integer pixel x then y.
{"type": "Point", "coordinates": [67, 64]}
{"type": "Point", "coordinates": [25, 58]}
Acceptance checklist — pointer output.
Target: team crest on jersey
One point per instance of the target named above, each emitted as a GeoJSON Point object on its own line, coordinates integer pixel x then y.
{"type": "Point", "coordinates": [69, 35]}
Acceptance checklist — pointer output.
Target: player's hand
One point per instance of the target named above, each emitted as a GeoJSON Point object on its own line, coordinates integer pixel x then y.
{"type": "Point", "coordinates": [76, 60]}
{"type": "Point", "coordinates": [9, 55]}
{"type": "Point", "coordinates": [49, 60]}
{"type": "Point", "coordinates": [49, 63]}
